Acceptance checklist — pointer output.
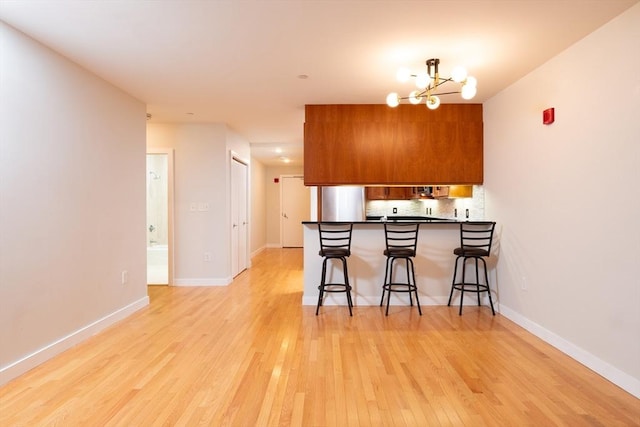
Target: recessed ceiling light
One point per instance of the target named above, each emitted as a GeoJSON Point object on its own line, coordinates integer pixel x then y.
{"type": "Point", "coordinates": [278, 150]}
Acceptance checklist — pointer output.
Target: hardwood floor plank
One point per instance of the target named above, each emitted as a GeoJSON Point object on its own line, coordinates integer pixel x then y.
{"type": "Point", "coordinates": [251, 354]}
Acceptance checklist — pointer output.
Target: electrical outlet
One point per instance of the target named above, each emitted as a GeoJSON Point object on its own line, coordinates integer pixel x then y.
{"type": "Point", "coordinates": [124, 277]}
{"type": "Point", "coordinates": [523, 284]}
{"type": "Point", "coordinates": [395, 210]}
{"type": "Point", "coordinates": [207, 257]}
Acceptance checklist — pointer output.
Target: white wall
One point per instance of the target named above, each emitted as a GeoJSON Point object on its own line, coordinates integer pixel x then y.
{"type": "Point", "coordinates": [258, 221]}
{"type": "Point", "coordinates": [202, 176]}
{"type": "Point", "coordinates": [72, 203]}
{"type": "Point", "coordinates": [566, 199]}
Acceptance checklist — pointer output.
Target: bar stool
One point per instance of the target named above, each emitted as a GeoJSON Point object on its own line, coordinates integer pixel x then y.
{"type": "Point", "coordinates": [401, 241]}
{"type": "Point", "coordinates": [475, 244]}
{"type": "Point", "coordinates": [335, 243]}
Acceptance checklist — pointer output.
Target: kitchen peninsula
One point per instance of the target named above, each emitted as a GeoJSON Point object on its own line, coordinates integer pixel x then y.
{"type": "Point", "coordinates": [391, 148]}
{"type": "Point", "coordinates": [433, 264]}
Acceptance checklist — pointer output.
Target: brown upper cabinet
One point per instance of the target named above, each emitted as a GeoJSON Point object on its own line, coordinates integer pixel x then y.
{"type": "Point", "coordinates": [388, 193]}
{"type": "Point", "coordinates": [407, 145]}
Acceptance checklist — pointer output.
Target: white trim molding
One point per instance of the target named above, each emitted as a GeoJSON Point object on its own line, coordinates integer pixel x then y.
{"type": "Point", "coordinates": [30, 361]}
{"type": "Point", "coordinates": [611, 373]}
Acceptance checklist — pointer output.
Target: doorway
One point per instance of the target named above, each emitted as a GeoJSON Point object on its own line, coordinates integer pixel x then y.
{"type": "Point", "coordinates": [295, 207]}
{"type": "Point", "coordinates": [239, 215]}
{"type": "Point", "coordinates": [159, 216]}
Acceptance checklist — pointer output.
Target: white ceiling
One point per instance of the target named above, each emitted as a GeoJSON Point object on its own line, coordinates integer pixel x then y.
{"type": "Point", "coordinates": [238, 61]}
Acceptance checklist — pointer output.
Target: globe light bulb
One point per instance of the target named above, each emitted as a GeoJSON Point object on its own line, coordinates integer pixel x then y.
{"type": "Point", "coordinates": [458, 74]}
{"type": "Point", "coordinates": [414, 97]}
{"type": "Point", "coordinates": [393, 100]}
{"type": "Point", "coordinates": [468, 92]}
{"type": "Point", "coordinates": [403, 75]}
{"type": "Point", "coordinates": [471, 81]}
{"type": "Point", "coordinates": [433, 102]}
{"type": "Point", "coordinates": [423, 80]}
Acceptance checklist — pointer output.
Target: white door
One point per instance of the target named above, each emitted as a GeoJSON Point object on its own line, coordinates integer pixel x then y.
{"type": "Point", "coordinates": [239, 215]}
{"type": "Point", "coordinates": [294, 199]}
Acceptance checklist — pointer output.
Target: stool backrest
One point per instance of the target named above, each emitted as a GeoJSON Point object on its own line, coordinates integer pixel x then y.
{"type": "Point", "coordinates": [477, 236]}
{"type": "Point", "coordinates": [401, 236]}
{"type": "Point", "coordinates": [334, 235]}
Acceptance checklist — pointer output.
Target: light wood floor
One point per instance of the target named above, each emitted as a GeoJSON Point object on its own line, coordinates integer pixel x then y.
{"type": "Point", "coordinates": [250, 355]}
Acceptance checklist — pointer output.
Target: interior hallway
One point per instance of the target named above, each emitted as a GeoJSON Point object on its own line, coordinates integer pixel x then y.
{"type": "Point", "coordinates": [250, 355]}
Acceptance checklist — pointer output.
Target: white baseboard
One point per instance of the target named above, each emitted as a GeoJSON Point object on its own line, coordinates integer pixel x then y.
{"type": "Point", "coordinates": [258, 251]}
{"type": "Point", "coordinates": [212, 281]}
{"type": "Point", "coordinates": [611, 373]}
{"type": "Point", "coordinates": [19, 367]}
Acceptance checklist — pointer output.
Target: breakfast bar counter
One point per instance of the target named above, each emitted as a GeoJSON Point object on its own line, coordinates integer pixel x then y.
{"type": "Point", "coordinates": [434, 264]}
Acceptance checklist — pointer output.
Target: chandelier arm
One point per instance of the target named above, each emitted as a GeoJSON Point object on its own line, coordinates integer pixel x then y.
{"type": "Point", "coordinates": [443, 81]}
{"type": "Point", "coordinates": [423, 94]}
{"type": "Point", "coordinates": [445, 93]}
{"type": "Point", "coordinates": [426, 94]}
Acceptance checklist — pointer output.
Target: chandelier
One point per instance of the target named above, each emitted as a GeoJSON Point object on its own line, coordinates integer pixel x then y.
{"type": "Point", "coordinates": [429, 82]}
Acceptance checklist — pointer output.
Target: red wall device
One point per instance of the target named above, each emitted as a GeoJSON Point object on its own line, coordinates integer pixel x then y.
{"type": "Point", "coordinates": [548, 116]}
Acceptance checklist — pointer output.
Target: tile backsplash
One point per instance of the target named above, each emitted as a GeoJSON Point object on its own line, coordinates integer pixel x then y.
{"type": "Point", "coordinates": [441, 208]}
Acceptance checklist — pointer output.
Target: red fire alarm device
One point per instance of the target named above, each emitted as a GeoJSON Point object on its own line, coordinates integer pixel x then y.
{"type": "Point", "coordinates": [276, 180]}
{"type": "Point", "coordinates": [548, 116]}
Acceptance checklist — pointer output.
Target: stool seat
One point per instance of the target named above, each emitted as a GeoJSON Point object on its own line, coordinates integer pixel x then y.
{"type": "Point", "coordinates": [470, 252]}
{"type": "Point", "coordinates": [334, 252]}
{"type": "Point", "coordinates": [399, 253]}
{"type": "Point", "coordinates": [401, 241]}
{"type": "Point", "coordinates": [475, 244]}
{"type": "Point", "coordinates": [335, 244]}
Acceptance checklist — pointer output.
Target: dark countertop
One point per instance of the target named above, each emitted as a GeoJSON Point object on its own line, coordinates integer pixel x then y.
{"type": "Point", "coordinates": [398, 218]}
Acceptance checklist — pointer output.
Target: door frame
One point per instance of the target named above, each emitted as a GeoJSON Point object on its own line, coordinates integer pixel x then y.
{"type": "Point", "coordinates": [170, 200]}
{"type": "Point", "coordinates": [235, 157]}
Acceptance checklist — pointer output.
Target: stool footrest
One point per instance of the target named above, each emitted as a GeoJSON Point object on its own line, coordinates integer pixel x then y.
{"type": "Point", "coordinates": [408, 287]}
{"type": "Point", "coordinates": [342, 287]}
{"type": "Point", "coordinates": [471, 287]}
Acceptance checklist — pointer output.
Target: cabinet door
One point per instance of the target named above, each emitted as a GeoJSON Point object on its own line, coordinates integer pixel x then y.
{"type": "Point", "coordinates": [376, 193]}
{"type": "Point", "coordinates": [398, 193]}
{"type": "Point", "coordinates": [388, 193]}
{"type": "Point", "coordinates": [406, 145]}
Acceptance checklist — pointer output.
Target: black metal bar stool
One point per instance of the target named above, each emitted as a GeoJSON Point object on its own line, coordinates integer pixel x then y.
{"type": "Point", "coordinates": [401, 242]}
{"type": "Point", "coordinates": [475, 244]}
{"type": "Point", "coordinates": [335, 243]}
